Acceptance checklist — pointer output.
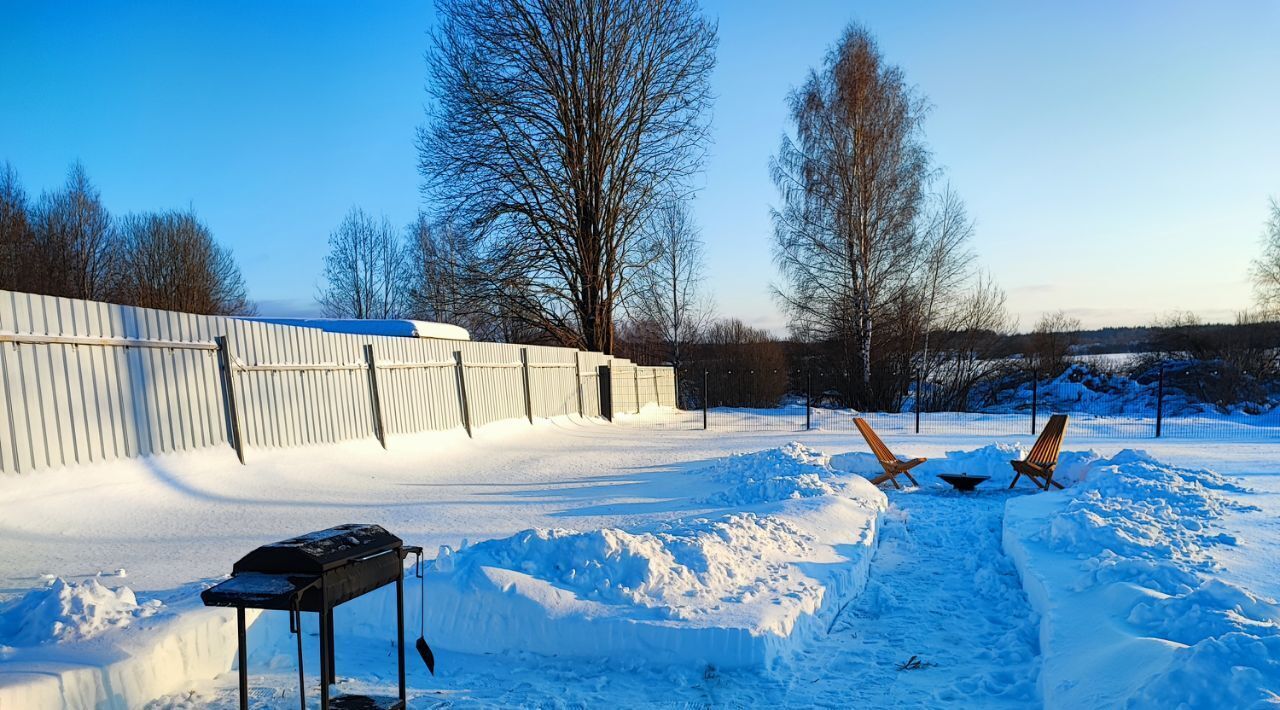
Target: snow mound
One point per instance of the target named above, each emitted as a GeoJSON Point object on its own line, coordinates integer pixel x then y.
{"type": "Point", "coordinates": [68, 611]}
{"type": "Point", "coordinates": [791, 471]}
{"type": "Point", "coordinates": [680, 573]}
{"type": "Point", "coordinates": [740, 588]}
{"type": "Point", "coordinates": [1119, 567]}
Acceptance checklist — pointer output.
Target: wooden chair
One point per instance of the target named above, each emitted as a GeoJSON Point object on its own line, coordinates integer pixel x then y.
{"type": "Point", "coordinates": [891, 464]}
{"type": "Point", "coordinates": [1043, 457]}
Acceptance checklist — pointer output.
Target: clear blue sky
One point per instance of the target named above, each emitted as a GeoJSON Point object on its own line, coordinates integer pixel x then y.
{"type": "Point", "coordinates": [1117, 157]}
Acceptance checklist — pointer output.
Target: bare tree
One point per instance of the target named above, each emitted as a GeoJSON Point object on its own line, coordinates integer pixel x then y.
{"type": "Point", "coordinates": [667, 291]}
{"type": "Point", "coordinates": [946, 268]}
{"type": "Point", "coordinates": [556, 127]}
{"type": "Point", "coordinates": [852, 183]}
{"type": "Point", "coordinates": [1266, 268]}
{"type": "Point", "coordinates": [71, 254]}
{"type": "Point", "coordinates": [169, 260]}
{"type": "Point", "coordinates": [16, 235]}
{"type": "Point", "coordinates": [364, 270]}
{"type": "Point", "coordinates": [1051, 342]}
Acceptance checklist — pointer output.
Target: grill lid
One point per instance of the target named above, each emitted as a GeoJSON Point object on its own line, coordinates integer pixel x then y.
{"type": "Point", "coordinates": [317, 552]}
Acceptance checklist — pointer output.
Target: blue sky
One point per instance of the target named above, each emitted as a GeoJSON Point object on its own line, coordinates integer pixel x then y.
{"type": "Point", "coordinates": [1117, 157]}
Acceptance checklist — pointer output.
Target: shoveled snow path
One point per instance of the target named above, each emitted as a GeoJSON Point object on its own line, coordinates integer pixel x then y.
{"type": "Point", "coordinates": [941, 590]}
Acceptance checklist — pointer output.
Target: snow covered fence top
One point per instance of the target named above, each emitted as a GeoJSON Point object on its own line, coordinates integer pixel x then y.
{"type": "Point", "coordinates": [390, 327]}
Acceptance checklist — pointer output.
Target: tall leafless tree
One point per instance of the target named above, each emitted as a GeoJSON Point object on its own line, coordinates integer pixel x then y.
{"type": "Point", "coordinates": [364, 270]}
{"type": "Point", "coordinates": [16, 235]}
{"type": "Point", "coordinates": [169, 260]}
{"type": "Point", "coordinates": [1266, 268]}
{"type": "Point", "coordinates": [72, 251]}
{"type": "Point", "coordinates": [852, 181]}
{"type": "Point", "coordinates": [667, 291]}
{"type": "Point", "coordinates": [556, 126]}
{"type": "Point", "coordinates": [1051, 342]}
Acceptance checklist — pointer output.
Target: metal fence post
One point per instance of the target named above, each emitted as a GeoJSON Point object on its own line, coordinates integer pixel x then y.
{"type": "Point", "coordinates": [605, 381]}
{"type": "Point", "coordinates": [919, 380]}
{"type": "Point", "coordinates": [635, 377]}
{"type": "Point", "coordinates": [1160, 402]}
{"type": "Point", "coordinates": [808, 400]}
{"type": "Point", "coordinates": [229, 396]}
{"type": "Point", "coordinates": [577, 371]}
{"type": "Point", "coordinates": [462, 391]}
{"type": "Point", "coordinates": [375, 399]}
{"type": "Point", "coordinates": [1035, 398]}
{"type": "Point", "coordinates": [528, 395]}
{"type": "Point", "coordinates": [705, 397]}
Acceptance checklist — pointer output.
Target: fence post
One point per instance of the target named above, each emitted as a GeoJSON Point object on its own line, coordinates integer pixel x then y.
{"type": "Point", "coordinates": [1160, 402]}
{"type": "Point", "coordinates": [706, 395]}
{"type": "Point", "coordinates": [1035, 397]}
{"type": "Point", "coordinates": [229, 396]}
{"type": "Point", "coordinates": [375, 399]}
{"type": "Point", "coordinates": [462, 391]}
{"type": "Point", "coordinates": [577, 371]}
{"type": "Point", "coordinates": [808, 400]}
{"type": "Point", "coordinates": [606, 391]}
{"type": "Point", "coordinates": [635, 378]}
{"type": "Point", "coordinates": [528, 394]}
{"type": "Point", "coordinates": [919, 382]}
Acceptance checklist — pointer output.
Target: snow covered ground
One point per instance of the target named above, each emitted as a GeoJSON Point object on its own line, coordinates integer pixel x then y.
{"type": "Point", "coordinates": [580, 521]}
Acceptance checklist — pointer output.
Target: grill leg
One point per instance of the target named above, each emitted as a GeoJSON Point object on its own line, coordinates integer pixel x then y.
{"type": "Point", "coordinates": [244, 659]}
{"type": "Point", "coordinates": [400, 633]}
{"type": "Point", "coordinates": [328, 649]}
{"type": "Point", "coordinates": [324, 663]}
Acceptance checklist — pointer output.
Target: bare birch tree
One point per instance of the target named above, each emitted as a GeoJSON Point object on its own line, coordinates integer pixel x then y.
{"type": "Point", "coordinates": [1266, 268]}
{"type": "Point", "coordinates": [169, 260]}
{"type": "Point", "coordinates": [852, 181]}
{"type": "Point", "coordinates": [667, 291]}
{"type": "Point", "coordinates": [364, 270]}
{"type": "Point", "coordinates": [556, 125]}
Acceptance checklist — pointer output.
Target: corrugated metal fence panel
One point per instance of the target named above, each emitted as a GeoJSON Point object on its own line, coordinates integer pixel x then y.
{"type": "Point", "coordinates": [494, 381]}
{"type": "Point", "coordinates": [87, 400]}
{"type": "Point", "coordinates": [553, 381]}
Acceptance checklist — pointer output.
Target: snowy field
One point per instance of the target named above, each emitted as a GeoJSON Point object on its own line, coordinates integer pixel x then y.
{"type": "Point", "coordinates": [583, 564]}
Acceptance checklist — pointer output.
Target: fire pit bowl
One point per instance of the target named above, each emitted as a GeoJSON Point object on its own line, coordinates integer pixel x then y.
{"type": "Point", "coordinates": [963, 481]}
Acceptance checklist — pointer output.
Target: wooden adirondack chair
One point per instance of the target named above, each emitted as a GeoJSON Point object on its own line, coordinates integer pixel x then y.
{"type": "Point", "coordinates": [891, 464]}
{"type": "Point", "coordinates": [1043, 457]}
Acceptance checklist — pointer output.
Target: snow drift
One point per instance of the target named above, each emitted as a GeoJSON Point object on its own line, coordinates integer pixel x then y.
{"type": "Point", "coordinates": [731, 588]}
{"type": "Point", "coordinates": [1119, 568]}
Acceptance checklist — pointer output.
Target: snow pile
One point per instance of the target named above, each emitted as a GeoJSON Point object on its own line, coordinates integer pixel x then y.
{"type": "Point", "coordinates": [791, 471]}
{"type": "Point", "coordinates": [1119, 568]}
{"type": "Point", "coordinates": [737, 588]}
{"type": "Point", "coordinates": [69, 611]}
{"type": "Point", "coordinates": [682, 572]}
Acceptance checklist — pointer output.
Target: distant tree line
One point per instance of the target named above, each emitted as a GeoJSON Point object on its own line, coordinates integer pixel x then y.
{"type": "Point", "coordinates": [66, 243]}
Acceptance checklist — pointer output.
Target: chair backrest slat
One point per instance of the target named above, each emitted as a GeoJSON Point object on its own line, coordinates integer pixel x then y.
{"type": "Point", "coordinates": [873, 440]}
{"type": "Point", "coordinates": [1049, 444]}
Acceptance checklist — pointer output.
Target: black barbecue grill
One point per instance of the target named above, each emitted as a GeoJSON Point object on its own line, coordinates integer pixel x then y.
{"type": "Point", "coordinates": [316, 572]}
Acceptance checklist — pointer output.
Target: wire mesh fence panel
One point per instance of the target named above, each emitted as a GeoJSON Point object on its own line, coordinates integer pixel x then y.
{"type": "Point", "coordinates": [773, 401]}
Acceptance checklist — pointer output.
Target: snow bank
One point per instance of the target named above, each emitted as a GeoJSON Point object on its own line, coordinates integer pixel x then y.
{"type": "Point", "coordinates": [726, 589]}
{"type": "Point", "coordinates": [991, 460]}
{"type": "Point", "coordinates": [1118, 566]}
{"type": "Point", "coordinates": [86, 646]}
{"type": "Point", "coordinates": [69, 611]}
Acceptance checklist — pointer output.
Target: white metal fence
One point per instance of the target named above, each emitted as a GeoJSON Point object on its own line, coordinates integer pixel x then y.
{"type": "Point", "coordinates": [82, 381]}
